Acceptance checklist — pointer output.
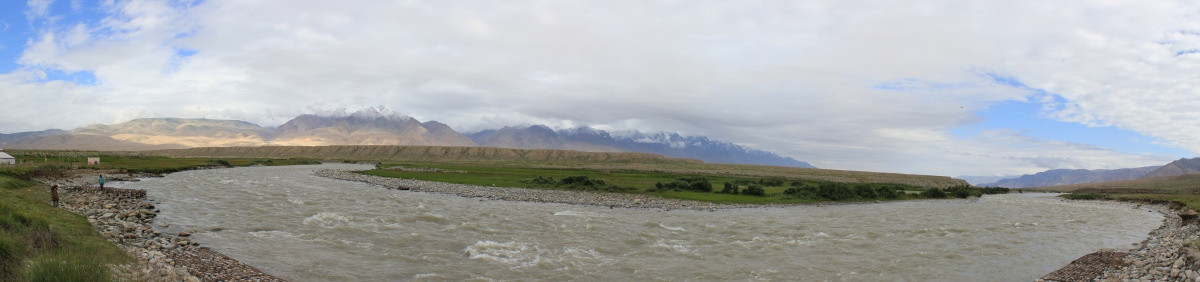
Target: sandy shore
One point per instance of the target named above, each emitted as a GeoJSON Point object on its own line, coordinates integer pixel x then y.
{"type": "Point", "coordinates": [124, 217]}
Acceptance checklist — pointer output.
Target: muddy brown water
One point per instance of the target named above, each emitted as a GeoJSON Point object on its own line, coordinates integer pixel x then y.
{"type": "Point", "coordinates": [292, 224]}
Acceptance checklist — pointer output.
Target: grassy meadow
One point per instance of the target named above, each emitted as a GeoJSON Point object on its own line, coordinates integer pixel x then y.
{"type": "Point", "coordinates": [42, 243]}
{"type": "Point", "coordinates": [33, 161]}
{"type": "Point", "coordinates": [717, 188]}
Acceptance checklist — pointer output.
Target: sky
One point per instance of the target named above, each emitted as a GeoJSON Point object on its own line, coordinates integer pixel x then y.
{"type": "Point", "coordinates": [932, 87]}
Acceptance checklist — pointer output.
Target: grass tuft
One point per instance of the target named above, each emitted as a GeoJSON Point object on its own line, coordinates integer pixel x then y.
{"type": "Point", "coordinates": [66, 268]}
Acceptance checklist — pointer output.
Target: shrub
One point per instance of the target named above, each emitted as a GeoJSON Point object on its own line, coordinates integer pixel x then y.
{"type": "Point", "coordinates": [835, 191]}
{"type": "Point", "coordinates": [754, 190]}
{"type": "Point", "coordinates": [887, 192]}
{"type": "Point", "coordinates": [933, 193]}
{"type": "Point", "coordinates": [994, 190]}
{"type": "Point", "coordinates": [581, 181]}
{"type": "Point", "coordinates": [864, 191]}
{"type": "Point", "coordinates": [697, 184]}
{"type": "Point", "coordinates": [729, 189]}
{"type": "Point", "coordinates": [963, 191]}
{"type": "Point", "coordinates": [771, 182]}
{"type": "Point", "coordinates": [801, 191]}
{"type": "Point", "coordinates": [543, 181]}
{"type": "Point", "coordinates": [619, 189]}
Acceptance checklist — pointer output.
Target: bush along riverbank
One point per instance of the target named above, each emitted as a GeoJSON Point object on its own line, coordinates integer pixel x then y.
{"type": "Point", "coordinates": [611, 200]}
{"type": "Point", "coordinates": [1168, 254]}
{"type": "Point", "coordinates": [124, 217]}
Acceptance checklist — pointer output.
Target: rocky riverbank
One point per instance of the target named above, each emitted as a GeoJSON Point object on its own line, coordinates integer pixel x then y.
{"type": "Point", "coordinates": [1164, 256]}
{"type": "Point", "coordinates": [611, 200]}
{"type": "Point", "coordinates": [124, 217]}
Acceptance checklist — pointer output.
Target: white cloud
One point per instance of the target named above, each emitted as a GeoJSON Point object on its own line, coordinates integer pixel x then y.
{"type": "Point", "coordinates": [37, 8]}
{"type": "Point", "coordinates": [810, 80]}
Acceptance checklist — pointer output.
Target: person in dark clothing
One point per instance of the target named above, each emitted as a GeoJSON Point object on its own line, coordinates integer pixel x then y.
{"type": "Point", "coordinates": [101, 182]}
{"type": "Point", "coordinates": [54, 195]}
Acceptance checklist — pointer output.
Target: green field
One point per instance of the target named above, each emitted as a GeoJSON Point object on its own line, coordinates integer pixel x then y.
{"type": "Point", "coordinates": [34, 160]}
{"type": "Point", "coordinates": [775, 190]}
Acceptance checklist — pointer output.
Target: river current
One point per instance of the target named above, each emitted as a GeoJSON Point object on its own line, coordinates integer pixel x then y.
{"type": "Point", "coordinates": [301, 227]}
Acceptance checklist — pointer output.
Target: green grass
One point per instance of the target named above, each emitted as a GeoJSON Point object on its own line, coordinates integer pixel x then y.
{"type": "Point", "coordinates": [643, 181]}
{"type": "Point", "coordinates": [128, 162]}
{"type": "Point", "coordinates": [1189, 200]}
{"type": "Point", "coordinates": [42, 243]}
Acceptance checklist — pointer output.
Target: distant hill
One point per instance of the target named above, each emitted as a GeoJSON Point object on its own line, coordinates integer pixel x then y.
{"type": "Point", "coordinates": [1177, 167]}
{"type": "Point", "coordinates": [366, 128]}
{"type": "Point", "coordinates": [535, 137]}
{"type": "Point", "coordinates": [422, 153]}
{"type": "Point", "coordinates": [178, 132]}
{"type": "Point", "coordinates": [378, 127]}
{"type": "Point", "coordinates": [1056, 177]}
{"type": "Point", "coordinates": [667, 144]}
{"type": "Point", "coordinates": [984, 180]}
{"type": "Point", "coordinates": [1178, 184]}
{"type": "Point", "coordinates": [5, 138]}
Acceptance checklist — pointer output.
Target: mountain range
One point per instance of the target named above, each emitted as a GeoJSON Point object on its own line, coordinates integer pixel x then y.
{"type": "Point", "coordinates": [379, 127]}
{"type": "Point", "coordinates": [1057, 177]}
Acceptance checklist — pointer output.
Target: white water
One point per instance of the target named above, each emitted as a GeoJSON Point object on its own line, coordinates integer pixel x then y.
{"type": "Point", "coordinates": [290, 223]}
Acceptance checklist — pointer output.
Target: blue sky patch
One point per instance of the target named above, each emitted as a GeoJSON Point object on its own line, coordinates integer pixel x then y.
{"type": "Point", "coordinates": [1029, 118]}
{"type": "Point", "coordinates": [79, 77]}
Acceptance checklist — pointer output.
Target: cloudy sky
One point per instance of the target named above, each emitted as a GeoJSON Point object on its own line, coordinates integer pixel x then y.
{"type": "Point", "coordinates": [935, 87]}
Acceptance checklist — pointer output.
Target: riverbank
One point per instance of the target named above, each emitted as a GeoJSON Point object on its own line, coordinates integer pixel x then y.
{"type": "Point", "coordinates": [611, 200]}
{"type": "Point", "coordinates": [1163, 256]}
{"type": "Point", "coordinates": [124, 217]}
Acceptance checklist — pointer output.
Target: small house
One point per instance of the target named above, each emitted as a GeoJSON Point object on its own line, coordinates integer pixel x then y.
{"type": "Point", "coordinates": [5, 158]}
{"type": "Point", "coordinates": [93, 161]}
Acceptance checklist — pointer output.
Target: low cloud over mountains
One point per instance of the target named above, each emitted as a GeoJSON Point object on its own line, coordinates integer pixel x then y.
{"type": "Point", "coordinates": [375, 127]}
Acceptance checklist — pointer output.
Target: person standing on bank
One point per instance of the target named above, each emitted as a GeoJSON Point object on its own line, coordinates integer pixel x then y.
{"type": "Point", "coordinates": [101, 182]}
{"type": "Point", "coordinates": [54, 195]}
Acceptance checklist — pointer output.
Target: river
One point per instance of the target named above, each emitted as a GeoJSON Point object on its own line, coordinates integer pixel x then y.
{"type": "Point", "coordinates": [300, 227]}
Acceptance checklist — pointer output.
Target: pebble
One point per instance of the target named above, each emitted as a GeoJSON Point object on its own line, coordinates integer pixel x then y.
{"type": "Point", "coordinates": [123, 217]}
{"type": "Point", "coordinates": [1161, 257]}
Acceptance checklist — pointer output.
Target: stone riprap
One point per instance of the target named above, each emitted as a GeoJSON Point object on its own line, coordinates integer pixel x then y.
{"type": "Point", "coordinates": [1164, 256]}
{"type": "Point", "coordinates": [124, 217]}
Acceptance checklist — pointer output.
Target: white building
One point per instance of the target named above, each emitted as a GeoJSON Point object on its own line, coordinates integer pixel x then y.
{"type": "Point", "coordinates": [7, 159]}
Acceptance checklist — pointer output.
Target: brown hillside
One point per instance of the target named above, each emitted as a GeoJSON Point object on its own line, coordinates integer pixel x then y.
{"type": "Point", "coordinates": [1178, 184]}
{"type": "Point", "coordinates": [1177, 167]}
